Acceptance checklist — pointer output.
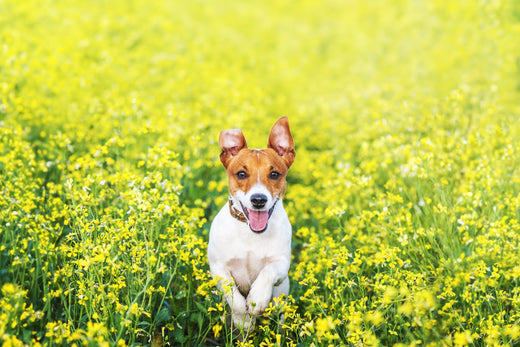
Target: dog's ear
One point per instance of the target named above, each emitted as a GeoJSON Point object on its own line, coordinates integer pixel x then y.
{"type": "Point", "coordinates": [280, 139]}
{"type": "Point", "coordinates": [230, 142]}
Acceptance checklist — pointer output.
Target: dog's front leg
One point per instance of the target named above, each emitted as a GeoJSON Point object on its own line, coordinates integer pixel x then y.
{"type": "Point", "coordinates": [233, 297]}
{"type": "Point", "coordinates": [262, 289]}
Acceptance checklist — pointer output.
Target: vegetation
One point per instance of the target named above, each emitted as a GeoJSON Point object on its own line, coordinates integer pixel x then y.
{"type": "Point", "coordinates": [404, 196]}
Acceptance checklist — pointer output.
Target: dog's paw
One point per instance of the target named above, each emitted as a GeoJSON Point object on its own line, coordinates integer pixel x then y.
{"type": "Point", "coordinates": [258, 299]}
{"type": "Point", "coordinates": [238, 304]}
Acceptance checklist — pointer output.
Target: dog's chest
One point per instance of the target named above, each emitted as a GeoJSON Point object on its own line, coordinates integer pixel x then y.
{"type": "Point", "coordinates": [245, 270]}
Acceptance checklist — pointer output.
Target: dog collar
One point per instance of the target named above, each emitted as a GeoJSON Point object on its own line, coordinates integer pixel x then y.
{"type": "Point", "coordinates": [236, 213]}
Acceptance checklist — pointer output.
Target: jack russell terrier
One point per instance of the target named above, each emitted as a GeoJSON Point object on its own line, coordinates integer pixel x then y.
{"type": "Point", "coordinates": [250, 238]}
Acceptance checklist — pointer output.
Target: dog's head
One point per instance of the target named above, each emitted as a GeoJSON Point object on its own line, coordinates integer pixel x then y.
{"type": "Point", "coordinates": [257, 177]}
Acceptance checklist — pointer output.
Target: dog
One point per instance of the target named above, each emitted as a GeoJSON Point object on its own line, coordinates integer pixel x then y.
{"type": "Point", "coordinates": [250, 238]}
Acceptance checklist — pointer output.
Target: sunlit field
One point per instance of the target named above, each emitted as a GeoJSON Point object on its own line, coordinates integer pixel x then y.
{"type": "Point", "coordinates": [404, 196]}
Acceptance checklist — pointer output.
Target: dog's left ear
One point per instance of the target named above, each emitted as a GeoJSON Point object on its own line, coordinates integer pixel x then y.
{"type": "Point", "coordinates": [280, 139]}
{"type": "Point", "coordinates": [230, 142]}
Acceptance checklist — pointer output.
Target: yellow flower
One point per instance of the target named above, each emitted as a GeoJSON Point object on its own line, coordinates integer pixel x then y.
{"type": "Point", "coordinates": [216, 330]}
{"type": "Point", "coordinates": [406, 308]}
{"type": "Point", "coordinates": [324, 324]}
{"type": "Point", "coordinates": [134, 309]}
{"type": "Point", "coordinates": [390, 294]}
{"type": "Point", "coordinates": [462, 338]}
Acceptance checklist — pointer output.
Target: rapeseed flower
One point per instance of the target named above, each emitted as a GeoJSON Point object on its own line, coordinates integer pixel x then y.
{"type": "Point", "coordinates": [403, 198]}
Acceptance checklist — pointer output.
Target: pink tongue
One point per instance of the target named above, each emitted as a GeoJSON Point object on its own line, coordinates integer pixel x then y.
{"type": "Point", "coordinates": [258, 220]}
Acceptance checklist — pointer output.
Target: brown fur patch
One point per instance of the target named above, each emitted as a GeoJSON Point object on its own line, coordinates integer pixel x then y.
{"type": "Point", "coordinates": [258, 165]}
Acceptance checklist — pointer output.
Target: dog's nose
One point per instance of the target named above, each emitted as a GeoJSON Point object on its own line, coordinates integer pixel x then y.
{"type": "Point", "coordinates": [258, 200]}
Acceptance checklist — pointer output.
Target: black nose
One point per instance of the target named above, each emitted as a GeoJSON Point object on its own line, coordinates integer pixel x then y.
{"type": "Point", "coordinates": [258, 200]}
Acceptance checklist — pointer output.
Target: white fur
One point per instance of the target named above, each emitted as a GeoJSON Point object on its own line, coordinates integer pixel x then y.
{"type": "Point", "coordinates": [257, 264]}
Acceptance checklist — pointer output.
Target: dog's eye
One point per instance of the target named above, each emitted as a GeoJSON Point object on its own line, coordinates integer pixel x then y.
{"type": "Point", "coordinates": [274, 175]}
{"type": "Point", "coordinates": [241, 175]}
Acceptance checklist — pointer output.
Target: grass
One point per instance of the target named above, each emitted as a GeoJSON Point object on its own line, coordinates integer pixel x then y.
{"type": "Point", "coordinates": [404, 196]}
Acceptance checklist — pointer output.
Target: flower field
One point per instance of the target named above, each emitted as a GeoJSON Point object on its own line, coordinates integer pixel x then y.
{"type": "Point", "coordinates": [404, 196]}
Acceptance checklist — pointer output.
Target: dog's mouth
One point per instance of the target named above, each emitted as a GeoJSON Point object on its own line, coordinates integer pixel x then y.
{"type": "Point", "coordinates": [258, 219]}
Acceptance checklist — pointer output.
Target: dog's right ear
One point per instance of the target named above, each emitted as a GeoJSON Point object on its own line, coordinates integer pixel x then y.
{"type": "Point", "coordinates": [230, 142]}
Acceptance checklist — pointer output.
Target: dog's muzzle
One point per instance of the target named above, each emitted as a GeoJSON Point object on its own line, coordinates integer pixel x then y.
{"type": "Point", "coordinates": [256, 219]}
